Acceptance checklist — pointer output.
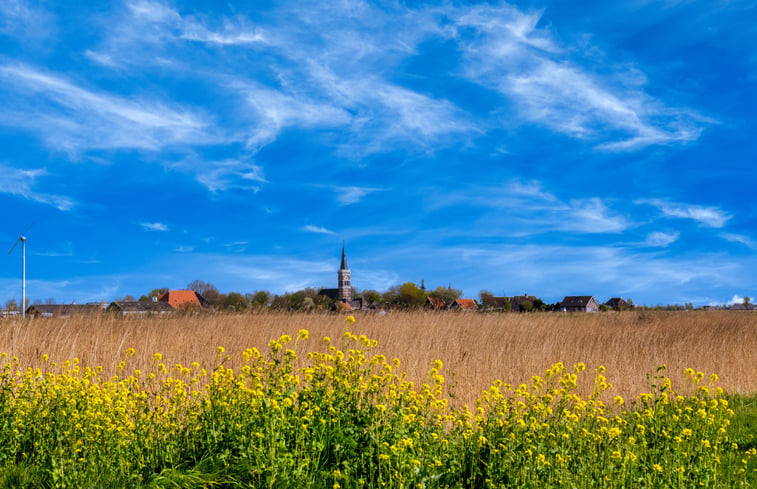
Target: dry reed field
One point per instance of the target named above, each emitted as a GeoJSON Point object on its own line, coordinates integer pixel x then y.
{"type": "Point", "coordinates": [476, 349]}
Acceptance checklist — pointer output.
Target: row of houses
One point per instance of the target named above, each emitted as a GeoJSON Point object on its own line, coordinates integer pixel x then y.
{"type": "Point", "coordinates": [524, 303]}
{"type": "Point", "coordinates": [166, 303]}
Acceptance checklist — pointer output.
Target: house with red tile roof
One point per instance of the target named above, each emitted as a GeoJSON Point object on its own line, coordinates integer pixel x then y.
{"type": "Point", "coordinates": [435, 303]}
{"type": "Point", "coordinates": [179, 299]}
{"type": "Point", "coordinates": [464, 305]}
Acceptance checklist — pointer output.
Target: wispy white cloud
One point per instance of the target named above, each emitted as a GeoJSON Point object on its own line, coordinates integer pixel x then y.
{"type": "Point", "coordinates": [12, 11]}
{"type": "Point", "coordinates": [237, 246]}
{"type": "Point", "coordinates": [21, 183]}
{"type": "Point", "coordinates": [374, 112]}
{"type": "Point", "coordinates": [531, 188]}
{"type": "Point", "coordinates": [316, 229]}
{"type": "Point", "coordinates": [276, 273]}
{"type": "Point", "coordinates": [21, 19]}
{"type": "Point", "coordinates": [221, 175]}
{"type": "Point", "coordinates": [328, 65]}
{"type": "Point", "coordinates": [332, 68]}
{"type": "Point", "coordinates": [153, 11]}
{"type": "Point", "coordinates": [387, 113]}
{"type": "Point", "coordinates": [72, 117]}
{"type": "Point", "coordinates": [709, 216]}
{"type": "Point", "coordinates": [592, 216]}
{"type": "Point", "coordinates": [275, 111]}
{"type": "Point", "coordinates": [100, 58]}
{"type": "Point", "coordinates": [150, 14]}
{"type": "Point", "coordinates": [740, 238]}
{"type": "Point", "coordinates": [230, 34]}
{"type": "Point", "coordinates": [352, 195]}
{"type": "Point", "coordinates": [532, 209]}
{"type": "Point", "coordinates": [661, 239]}
{"type": "Point", "coordinates": [512, 55]}
{"type": "Point", "coordinates": [153, 226]}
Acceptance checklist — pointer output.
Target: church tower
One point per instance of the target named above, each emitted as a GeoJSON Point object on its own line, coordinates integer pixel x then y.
{"type": "Point", "coordinates": [345, 289]}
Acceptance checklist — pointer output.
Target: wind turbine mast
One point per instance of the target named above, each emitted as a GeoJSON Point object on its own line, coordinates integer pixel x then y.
{"type": "Point", "coordinates": [22, 239]}
{"type": "Point", "coordinates": [23, 277]}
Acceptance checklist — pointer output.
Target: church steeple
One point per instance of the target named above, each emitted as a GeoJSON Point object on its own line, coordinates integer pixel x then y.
{"type": "Point", "coordinates": [344, 260]}
{"type": "Point", "coordinates": [345, 288]}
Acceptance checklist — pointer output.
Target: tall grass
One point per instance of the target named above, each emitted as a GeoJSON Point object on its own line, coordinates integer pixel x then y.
{"type": "Point", "coordinates": [347, 417]}
{"type": "Point", "coordinates": [190, 401]}
{"type": "Point", "coordinates": [475, 348]}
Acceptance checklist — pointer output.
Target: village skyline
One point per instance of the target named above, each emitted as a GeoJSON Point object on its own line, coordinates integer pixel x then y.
{"type": "Point", "coordinates": [406, 295]}
{"type": "Point", "coordinates": [547, 148]}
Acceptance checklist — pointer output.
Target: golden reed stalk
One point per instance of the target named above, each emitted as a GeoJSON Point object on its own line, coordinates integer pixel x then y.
{"type": "Point", "coordinates": [475, 348]}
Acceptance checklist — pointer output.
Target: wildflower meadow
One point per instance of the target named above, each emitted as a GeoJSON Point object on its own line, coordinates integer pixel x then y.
{"type": "Point", "coordinates": [323, 412]}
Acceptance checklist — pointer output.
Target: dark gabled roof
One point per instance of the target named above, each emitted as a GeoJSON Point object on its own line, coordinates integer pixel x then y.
{"type": "Point", "coordinates": [616, 302]}
{"type": "Point", "coordinates": [332, 294]}
{"type": "Point", "coordinates": [63, 309]}
{"type": "Point", "coordinates": [518, 298]}
{"type": "Point", "coordinates": [576, 300]}
{"type": "Point", "coordinates": [203, 301]}
{"type": "Point", "coordinates": [498, 301]}
{"type": "Point", "coordinates": [140, 307]}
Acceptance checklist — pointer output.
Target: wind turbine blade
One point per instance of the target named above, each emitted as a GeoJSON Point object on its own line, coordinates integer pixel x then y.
{"type": "Point", "coordinates": [14, 246]}
{"type": "Point", "coordinates": [21, 236]}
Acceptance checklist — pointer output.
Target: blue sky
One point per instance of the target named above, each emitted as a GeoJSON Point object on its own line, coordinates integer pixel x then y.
{"type": "Point", "coordinates": [549, 148]}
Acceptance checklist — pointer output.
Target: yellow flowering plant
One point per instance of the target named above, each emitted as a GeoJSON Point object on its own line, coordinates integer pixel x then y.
{"type": "Point", "coordinates": [344, 415]}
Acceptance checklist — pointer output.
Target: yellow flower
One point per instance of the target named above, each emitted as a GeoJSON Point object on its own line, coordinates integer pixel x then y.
{"type": "Point", "coordinates": [220, 350]}
{"type": "Point", "coordinates": [350, 319]}
{"type": "Point", "coordinates": [303, 334]}
{"type": "Point", "coordinates": [158, 357]}
{"type": "Point", "coordinates": [657, 467]}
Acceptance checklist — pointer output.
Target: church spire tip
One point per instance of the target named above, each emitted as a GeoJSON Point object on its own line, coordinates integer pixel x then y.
{"type": "Point", "coordinates": [344, 259]}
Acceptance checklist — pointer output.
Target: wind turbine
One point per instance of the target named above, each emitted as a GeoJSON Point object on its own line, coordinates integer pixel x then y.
{"type": "Point", "coordinates": [22, 239]}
